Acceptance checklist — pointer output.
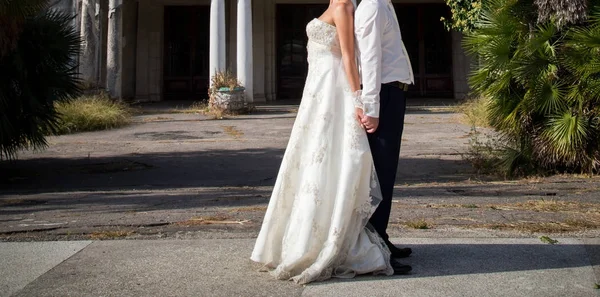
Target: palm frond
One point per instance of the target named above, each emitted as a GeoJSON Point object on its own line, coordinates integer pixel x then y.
{"type": "Point", "coordinates": [549, 97]}
{"type": "Point", "coordinates": [567, 134]}
{"type": "Point", "coordinates": [38, 73]}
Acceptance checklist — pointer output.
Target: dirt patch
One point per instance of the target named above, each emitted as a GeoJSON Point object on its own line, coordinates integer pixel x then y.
{"type": "Point", "coordinates": [157, 119]}
{"type": "Point", "coordinates": [550, 206]}
{"type": "Point", "coordinates": [212, 220]}
{"type": "Point", "coordinates": [167, 135]}
{"type": "Point", "coordinates": [529, 216]}
{"type": "Point", "coordinates": [249, 209]}
{"type": "Point", "coordinates": [542, 227]}
{"type": "Point", "coordinates": [107, 235]}
{"type": "Point", "coordinates": [20, 202]}
{"type": "Point", "coordinates": [232, 131]}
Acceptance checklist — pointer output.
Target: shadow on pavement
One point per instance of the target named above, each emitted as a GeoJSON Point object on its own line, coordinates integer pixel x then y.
{"type": "Point", "coordinates": [186, 180]}
{"type": "Point", "coordinates": [213, 168]}
{"type": "Point", "coordinates": [433, 260]}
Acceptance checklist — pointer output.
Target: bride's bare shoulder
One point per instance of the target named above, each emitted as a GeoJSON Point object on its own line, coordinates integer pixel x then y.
{"type": "Point", "coordinates": [344, 6]}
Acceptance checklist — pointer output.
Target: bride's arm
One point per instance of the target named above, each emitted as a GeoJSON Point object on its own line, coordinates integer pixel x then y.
{"type": "Point", "coordinates": [343, 18]}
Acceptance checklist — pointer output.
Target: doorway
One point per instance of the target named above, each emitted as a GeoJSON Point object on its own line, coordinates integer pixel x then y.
{"type": "Point", "coordinates": [429, 47]}
{"type": "Point", "coordinates": [186, 52]}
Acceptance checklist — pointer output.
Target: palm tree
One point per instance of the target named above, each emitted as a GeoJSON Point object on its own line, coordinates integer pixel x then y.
{"type": "Point", "coordinates": [36, 70]}
{"type": "Point", "coordinates": [543, 79]}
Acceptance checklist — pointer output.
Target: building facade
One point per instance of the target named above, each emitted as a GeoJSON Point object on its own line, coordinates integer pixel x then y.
{"type": "Point", "coordinates": [154, 50]}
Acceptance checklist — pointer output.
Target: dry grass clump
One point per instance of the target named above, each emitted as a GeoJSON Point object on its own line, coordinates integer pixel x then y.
{"type": "Point", "coordinates": [474, 112]}
{"type": "Point", "coordinates": [569, 225]}
{"type": "Point", "coordinates": [91, 113]}
{"type": "Point", "coordinates": [543, 205]}
{"type": "Point", "coordinates": [418, 224]}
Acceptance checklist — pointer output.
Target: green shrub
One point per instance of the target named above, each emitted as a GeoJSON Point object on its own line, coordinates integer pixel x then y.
{"type": "Point", "coordinates": [543, 80]}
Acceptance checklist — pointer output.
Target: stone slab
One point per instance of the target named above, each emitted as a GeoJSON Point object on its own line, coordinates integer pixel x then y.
{"type": "Point", "coordinates": [161, 268]}
{"type": "Point", "coordinates": [220, 267]}
{"type": "Point", "coordinates": [593, 250]}
{"type": "Point", "coordinates": [479, 267]}
{"type": "Point", "coordinates": [23, 262]}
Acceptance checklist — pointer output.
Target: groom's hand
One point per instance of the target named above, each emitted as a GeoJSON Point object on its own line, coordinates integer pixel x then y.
{"type": "Point", "coordinates": [370, 123]}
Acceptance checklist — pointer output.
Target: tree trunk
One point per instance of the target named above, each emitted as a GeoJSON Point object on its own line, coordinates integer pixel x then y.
{"type": "Point", "coordinates": [565, 11]}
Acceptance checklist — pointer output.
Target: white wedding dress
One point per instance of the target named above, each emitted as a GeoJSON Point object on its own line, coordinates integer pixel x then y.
{"type": "Point", "coordinates": [316, 224]}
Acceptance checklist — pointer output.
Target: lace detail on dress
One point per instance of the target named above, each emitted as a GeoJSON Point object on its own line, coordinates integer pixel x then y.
{"type": "Point", "coordinates": [322, 33]}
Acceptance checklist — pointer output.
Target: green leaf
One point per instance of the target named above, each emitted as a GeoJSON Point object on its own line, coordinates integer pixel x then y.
{"type": "Point", "coordinates": [548, 240]}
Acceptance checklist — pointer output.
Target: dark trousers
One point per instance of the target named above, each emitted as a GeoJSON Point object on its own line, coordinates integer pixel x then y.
{"type": "Point", "coordinates": [385, 147]}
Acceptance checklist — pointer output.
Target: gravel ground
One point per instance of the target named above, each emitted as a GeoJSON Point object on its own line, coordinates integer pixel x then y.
{"type": "Point", "coordinates": [182, 175]}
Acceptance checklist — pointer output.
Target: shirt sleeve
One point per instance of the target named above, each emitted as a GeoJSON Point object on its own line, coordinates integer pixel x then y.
{"type": "Point", "coordinates": [369, 31]}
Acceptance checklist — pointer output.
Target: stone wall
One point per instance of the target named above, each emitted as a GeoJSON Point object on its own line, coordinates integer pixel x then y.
{"type": "Point", "coordinates": [149, 67]}
{"type": "Point", "coordinates": [461, 65]}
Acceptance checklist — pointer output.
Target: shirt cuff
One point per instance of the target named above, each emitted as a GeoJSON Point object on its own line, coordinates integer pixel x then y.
{"type": "Point", "coordinates": [371, 109]}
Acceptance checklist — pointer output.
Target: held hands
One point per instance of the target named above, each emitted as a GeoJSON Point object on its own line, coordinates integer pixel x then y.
{"type": "Point", "coordinates": [366, 122]}
{"type": "Point", "coordinates": [370, 124]}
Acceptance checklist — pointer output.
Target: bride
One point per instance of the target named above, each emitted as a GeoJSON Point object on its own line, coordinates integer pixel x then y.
{"type": "Point", "coordinates": [316, 225]}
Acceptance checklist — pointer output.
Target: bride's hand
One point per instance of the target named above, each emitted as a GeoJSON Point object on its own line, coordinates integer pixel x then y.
{"type": "Point", "coordinates": [359, 115]}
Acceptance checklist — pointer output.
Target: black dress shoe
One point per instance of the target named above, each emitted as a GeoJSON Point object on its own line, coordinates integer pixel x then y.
{"type": "Point", "coordinates": [400, 268]}
{"type": "Point", "coordinates": [398, 253]}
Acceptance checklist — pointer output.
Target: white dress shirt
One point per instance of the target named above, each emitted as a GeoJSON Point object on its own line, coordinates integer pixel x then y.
{"type": "Point", "coordinates": [383, 57]}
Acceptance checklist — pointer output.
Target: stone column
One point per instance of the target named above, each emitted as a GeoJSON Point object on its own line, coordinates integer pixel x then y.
{"type": "Point", "coordinates": [90, 37]}
{"type": "Point", "coordinates": [461, 65]}
{"type": "Point", "coordinates": [244, 47]}
{"type": "Point", "coordinates": [217, 37]}
{"type": "Point", "coordinates": [69, 7]}
{"type": "Point", "coordinates": [114, 48]}
{"type": "Point", "coordinates": [65, 6]}
{"type": "Point", "coordinates": [258, 41]}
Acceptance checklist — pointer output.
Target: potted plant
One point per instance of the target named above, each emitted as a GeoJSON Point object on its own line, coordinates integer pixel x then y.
{"type": "Point", "coordinates": [226, 93]}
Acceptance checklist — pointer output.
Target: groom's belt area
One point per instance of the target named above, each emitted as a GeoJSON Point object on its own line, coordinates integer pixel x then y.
{"type": "Point", "coordinates": [399, 85]}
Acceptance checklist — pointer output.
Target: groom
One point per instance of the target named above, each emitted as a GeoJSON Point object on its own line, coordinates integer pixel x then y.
{"type": "Point", "coordinates": [386, 73]}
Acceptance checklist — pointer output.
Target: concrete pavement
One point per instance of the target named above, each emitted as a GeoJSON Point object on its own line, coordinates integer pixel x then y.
{"type": "Point", "coordinates": [24, 262]}
{"type": "Point", "coordinates": [220, 267]}
{"type": "Point", "coordinates": [150, 178]}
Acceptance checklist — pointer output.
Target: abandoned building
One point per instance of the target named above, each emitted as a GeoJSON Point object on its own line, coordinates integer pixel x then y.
{"type": "Point", "coordinates": [153, 50]}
